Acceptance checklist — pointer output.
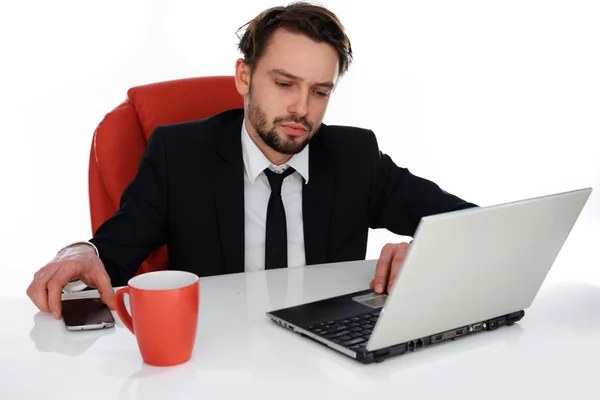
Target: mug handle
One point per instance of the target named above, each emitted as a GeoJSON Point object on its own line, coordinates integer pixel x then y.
{"type": "Point", "coordinates": [122, 310]}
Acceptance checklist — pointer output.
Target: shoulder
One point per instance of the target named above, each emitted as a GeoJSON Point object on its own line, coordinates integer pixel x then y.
{"type": "Point", "coordinates": [196, 132]}
{"type": "Point", "coordinates": [343, 140]}
{"type": "Point", "coordinates": [344, 133]}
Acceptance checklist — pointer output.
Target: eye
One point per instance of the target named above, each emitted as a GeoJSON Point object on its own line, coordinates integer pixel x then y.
{"type": "Point", "coordinates": [320, 93]}
{"type": "Point", "coordinates": [283, 84]}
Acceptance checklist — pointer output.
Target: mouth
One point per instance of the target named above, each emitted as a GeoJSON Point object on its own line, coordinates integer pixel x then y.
{"type": "Point", "coordinates": [294, 129]}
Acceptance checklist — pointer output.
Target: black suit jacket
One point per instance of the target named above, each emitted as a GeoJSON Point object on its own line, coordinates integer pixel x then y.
{"type": "Point", "coordinates": [189, 194]}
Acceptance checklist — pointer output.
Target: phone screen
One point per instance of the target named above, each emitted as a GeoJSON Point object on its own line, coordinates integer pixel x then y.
{"type": "Point", "coordinates": [83, 314]}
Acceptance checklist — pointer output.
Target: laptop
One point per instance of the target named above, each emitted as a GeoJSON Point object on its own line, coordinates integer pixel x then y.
{"type": "Point", "coordinates": [466, 272]}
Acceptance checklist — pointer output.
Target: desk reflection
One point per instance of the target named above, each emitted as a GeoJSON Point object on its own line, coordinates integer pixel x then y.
{"type": "Point", "coordinates": [51, 336]}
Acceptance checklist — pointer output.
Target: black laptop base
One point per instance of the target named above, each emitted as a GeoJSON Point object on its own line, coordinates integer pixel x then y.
{"type": "Point", "coordinates": [350, 335]}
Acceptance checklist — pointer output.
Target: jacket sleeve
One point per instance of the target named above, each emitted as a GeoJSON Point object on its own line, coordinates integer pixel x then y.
{"type": "Point", "coordinates": [139, 227]}
{"type": "Point", "coordinates": [400, 199]}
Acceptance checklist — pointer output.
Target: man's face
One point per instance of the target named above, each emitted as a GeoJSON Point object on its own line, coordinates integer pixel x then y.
{"type": "Point", "coordinates": [289, 90]}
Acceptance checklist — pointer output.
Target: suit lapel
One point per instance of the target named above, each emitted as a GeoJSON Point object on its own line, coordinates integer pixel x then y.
{"type": "Point", "coordinates": [316, 203]}
{"type": "Point", "coordinates": [228, 185]}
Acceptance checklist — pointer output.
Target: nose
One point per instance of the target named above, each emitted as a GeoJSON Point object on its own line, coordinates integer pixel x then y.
{"type": "Point", "coordinates": [299, 106]}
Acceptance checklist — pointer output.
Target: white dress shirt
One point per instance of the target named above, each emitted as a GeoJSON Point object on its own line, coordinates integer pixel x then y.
{"type": "Point", "coordinates": [256, 199]}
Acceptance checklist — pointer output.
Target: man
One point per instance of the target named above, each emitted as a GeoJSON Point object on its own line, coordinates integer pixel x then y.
{"type": "Point", "coordinates": [268, 186]}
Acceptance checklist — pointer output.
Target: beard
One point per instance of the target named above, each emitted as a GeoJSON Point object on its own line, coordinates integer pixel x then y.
{"type": "Point", "coordinates": [268, 134]}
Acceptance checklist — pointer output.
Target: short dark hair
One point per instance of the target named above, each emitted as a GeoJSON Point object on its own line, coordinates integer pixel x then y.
{"type": "Point", "coordinates": [316, 22]}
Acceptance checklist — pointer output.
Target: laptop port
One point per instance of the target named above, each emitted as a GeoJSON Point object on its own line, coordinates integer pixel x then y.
{"type": "Point", "coordinates": [477, 327]}
{"type": "Point", "coordinates": [460, 332]}
{"type": "Point", "coordinates": [414, 345]}
{"type": "Point", "coordinates": [449, 335]}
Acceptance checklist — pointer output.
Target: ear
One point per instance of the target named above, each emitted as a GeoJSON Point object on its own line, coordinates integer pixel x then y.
{"type": "Point", "coordinates": [242, 77]}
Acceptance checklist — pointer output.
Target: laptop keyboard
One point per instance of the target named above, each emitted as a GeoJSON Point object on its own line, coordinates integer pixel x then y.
{"type": "Point", "coordinates": [352, 333]}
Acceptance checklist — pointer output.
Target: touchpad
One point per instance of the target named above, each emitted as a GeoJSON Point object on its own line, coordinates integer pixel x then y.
{"type": "Point", "coordinates": [372, 300]}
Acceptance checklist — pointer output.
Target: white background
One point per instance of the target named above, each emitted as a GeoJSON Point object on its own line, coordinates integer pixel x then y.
{"type": "Point", "coordinates": [494, 101]}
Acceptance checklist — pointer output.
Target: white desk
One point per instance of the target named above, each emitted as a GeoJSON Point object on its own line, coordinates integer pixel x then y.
{"type": "Point", "coordinates": [553, 353]}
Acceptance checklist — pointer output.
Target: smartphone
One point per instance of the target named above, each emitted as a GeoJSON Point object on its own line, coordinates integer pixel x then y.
{"type": "Point", "coordinates": [86, 314]}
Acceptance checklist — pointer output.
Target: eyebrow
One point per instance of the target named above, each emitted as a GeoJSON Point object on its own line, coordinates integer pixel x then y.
{"type": "Point", "coordinates": [282, 72]}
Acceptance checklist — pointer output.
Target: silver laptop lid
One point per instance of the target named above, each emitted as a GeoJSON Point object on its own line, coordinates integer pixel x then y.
{"type": "Point", "coordinates": [471, 265]}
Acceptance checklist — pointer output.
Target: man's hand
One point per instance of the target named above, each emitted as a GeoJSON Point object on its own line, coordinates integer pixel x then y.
{"type": "Point", "coordinates": [388, 266]}
{"type": "Point", "coordinates": [75, 262]}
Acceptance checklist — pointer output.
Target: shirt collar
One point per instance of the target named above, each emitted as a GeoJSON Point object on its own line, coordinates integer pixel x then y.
{"type": "Point", "coordinates": [255, 161]}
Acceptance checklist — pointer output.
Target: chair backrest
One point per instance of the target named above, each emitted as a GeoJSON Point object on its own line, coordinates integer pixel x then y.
{"type": "Point", "coordinates": [119, 140]}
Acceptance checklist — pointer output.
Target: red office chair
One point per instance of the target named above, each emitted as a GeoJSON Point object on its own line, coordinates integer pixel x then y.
{"type": "Point", "coordinates": [120, 139]}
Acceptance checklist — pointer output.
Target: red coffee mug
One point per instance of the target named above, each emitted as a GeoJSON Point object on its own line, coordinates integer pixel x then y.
{"type": "Point", "coordinates": [164, 315]}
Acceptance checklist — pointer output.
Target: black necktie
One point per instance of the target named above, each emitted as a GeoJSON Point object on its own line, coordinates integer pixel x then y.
{"type": "Point", "coordinates": [276, 236]}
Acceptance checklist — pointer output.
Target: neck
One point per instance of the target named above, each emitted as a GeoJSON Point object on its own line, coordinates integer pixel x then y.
{"type": "Point", "coordinates": [273, 156]}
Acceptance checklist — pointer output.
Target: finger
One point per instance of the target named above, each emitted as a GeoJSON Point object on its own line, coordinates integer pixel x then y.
{"type": "Point", "coordinates": [37, 289]}
{"type": "Point", "coordinates": [382, 268]}
{"type": "Point", "coordinates": [104, 286]}
{"type": "Point", "coordinates": [40, 272]}
{"type": "Point", "coordinates": [96, 277]}
{"type": "Point", "coordinates": [64, 275]}
{"type": "Point", "coordinates": [37, 294]}
{"type": "Point", "coordinates": [397, 262]}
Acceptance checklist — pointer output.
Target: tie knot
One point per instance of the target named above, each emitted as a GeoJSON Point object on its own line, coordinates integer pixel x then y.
{"type": "Point", "coordinates": [276, 180]}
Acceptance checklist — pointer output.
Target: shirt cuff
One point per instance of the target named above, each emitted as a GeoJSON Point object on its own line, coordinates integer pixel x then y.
{"type": "Point", "coordinates": [82, 242]}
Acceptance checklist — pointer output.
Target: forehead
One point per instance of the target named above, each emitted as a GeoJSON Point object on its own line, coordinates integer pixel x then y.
{"type": "Point", "coordinates": [301, 56]}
